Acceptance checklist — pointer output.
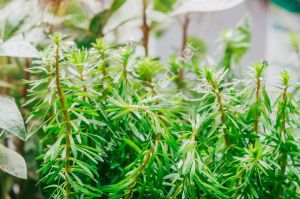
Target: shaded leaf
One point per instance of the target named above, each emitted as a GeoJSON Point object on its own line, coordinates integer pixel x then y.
{"type": "Point", "coordinates": [10, 118]}
{"type": "Point", "coordinates": [12, 163]}
{"type": "Point", "coordinates": [98, 22]}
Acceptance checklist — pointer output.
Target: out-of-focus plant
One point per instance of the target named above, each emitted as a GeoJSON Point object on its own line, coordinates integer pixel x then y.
{"type": "Point", "coordinates": [11, 123]}
{"type": "Point", "coordinates": [295, 40]}
{"type": "Point", "coordinates": [193, 56]}
{"type": "Point", "coordinates": [183, 10]}
{"type": "Point", "coordinates": [11, 119]}
{"type": "Point", "coordinates": [236, 44]}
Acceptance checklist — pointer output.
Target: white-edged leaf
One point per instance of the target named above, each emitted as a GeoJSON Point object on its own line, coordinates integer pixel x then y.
{"type": "Point", "coordinates": [12, 163]}
{"type": "Point", "coordinates": [17, 47]}
{"type": "Point", "coordinates": [53, 150]}
{"type": "Point", "coordinates": [10, 117]}
{"type": "Point", "coordinates": [205, 6]}
{"type": "Point", "coordinates": [73, 71]}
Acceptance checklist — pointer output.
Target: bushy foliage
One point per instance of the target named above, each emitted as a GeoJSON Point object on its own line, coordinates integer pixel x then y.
{"type": "Point", "coordinates": [109, 131]}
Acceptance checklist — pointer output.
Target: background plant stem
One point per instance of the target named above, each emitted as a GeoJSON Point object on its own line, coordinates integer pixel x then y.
{"type": "Point", "coordinates": [183, 47]}
{"type": "Point", "coordinates": [145, 28]}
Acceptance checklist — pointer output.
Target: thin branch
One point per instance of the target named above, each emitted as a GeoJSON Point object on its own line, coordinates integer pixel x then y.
{"type": "Point", "coordinates": [67, 120]}
{"type": "Point", "coordinates": [282, 131]}
{"type": "Point", "coordinates": [221, 110]}
{"type": "Point", "coordinates": [145, 28]}
{"type": "Point", "coordinates": [256, 116]}
{"type": "Point", "coordinates": [183, 47]}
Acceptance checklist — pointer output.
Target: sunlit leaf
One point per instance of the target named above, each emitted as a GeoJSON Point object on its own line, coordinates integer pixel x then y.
{"type": "Point", "coordinates": [17, 47]}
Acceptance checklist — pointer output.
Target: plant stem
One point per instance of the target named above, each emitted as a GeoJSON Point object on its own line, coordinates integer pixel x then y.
{"type": "Point", "coordinates": [282, 131]}
{"type": "Point", "coordinates": [125, 72]}
{"type": "Point", "coordinates": [283, 161]}
{"type": "Point", "coordinates": [221, 110]}
{"type": "Point", "coordinates": [183, 47]}
{"type": "Point", "coordinates": [185, 27]}
{"type": "Point", "coordinates": [223, 119]}
{"type": "Point", "coordinates": [144, 165]}
{"type": "Point", "coordinates": [256, 116]}
{"type": "Point", "coordinates": [67, 120]}
{"type": "Point", "coordinates": [193, 136]}
{"type": "Point", "coordinates": [82, 79]}
{"type": "Point", "coordinates": [27, 77]}
{"type": "Point", "coordinates": [104, 74]}
{"type": "Point", "coordinates": [150, 83]}
{"type": "Point", "coordinates": [145, 28]}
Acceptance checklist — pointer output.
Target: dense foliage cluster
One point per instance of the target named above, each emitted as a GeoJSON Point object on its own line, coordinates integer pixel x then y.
{"type": "Point", "coordinates": [111, 123]}
{"type": "Point", "coordinates": [116, 125]}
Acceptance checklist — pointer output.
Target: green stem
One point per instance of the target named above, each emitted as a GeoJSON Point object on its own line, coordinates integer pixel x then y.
{"type": "Point", "coordinates": [150, 83]}
{"type": "Point", "coordinates": [283, 161]}
{"type": "Point", "coordinates": [143, 165]}
{"type": "Point", "coordinates": [82, 80]}
{"type": "Point", "coordinates": [221, 110]}
{"type": "Point", "coordinates": [282, 131]}
{"type": "Point", "coordinates": [67, 120]}
{"type": "Point", "coordinates": [104, 73]}
{"type": "Point", "coordinates": [256, 116]}
{"type": "Point", "coordinates": [125, 72]}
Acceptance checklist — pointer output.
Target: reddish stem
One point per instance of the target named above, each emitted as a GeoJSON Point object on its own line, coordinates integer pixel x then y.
{"type": "Point", "coordinates": [145, 28]}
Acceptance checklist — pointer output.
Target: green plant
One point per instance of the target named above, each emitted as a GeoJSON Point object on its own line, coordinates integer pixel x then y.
{"type": "Point", "coordinates": [108, 101]}
{"type": "Point", "coordinates": [110, 131]}
{"type": "Point", "coordinates": [71, 146]}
